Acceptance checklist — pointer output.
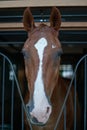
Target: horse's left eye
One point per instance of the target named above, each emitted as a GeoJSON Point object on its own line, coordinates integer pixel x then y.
{"type": "Point", "coordinates": [25, 54]}
{"type": "Point", "coordinates": [57, 54]}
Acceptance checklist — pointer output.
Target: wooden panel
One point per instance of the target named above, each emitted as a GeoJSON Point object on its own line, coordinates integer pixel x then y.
{"type": "Point", "coordinates": [40, 3]}
{"type": "Point", "coordinates": [64, 26]}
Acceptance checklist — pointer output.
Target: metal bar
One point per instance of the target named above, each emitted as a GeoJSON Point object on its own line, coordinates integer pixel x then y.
{"type": "Point", "coordinates": [16, 33]}
{"type": "Point", "coordinates": [39, 16]}
{"type": "Point", "coordinates": [19, 90]}
{"type": "Point", "coordinates": [12, 104]}
{"type": "Point", "coordinates": [3, 91]}
{"type": "Point", "coordinates": [67, 32]}
{"type": "Point", "coordinates": [74, 42]}
{"type": "Point", "coordinates": [11, 43]}
{"type": "Point", "coordinates": [62, 42]}
{"type": "Point", "coordinates": [65, 117]}
{"type": "Point", "coordinates": [15, 16]}
{"type": "Point", "coordinates": [68, 91]}
{"type": "Point", "coordinates": [22, 117]}
{"type": "Point", "coordinates": [75, 103]}
{"type": "Point", "coordinates": [85, 85]}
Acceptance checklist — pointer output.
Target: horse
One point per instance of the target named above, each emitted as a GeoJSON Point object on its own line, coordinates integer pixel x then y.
{"type": "Point", "coordinates": [46, 88]}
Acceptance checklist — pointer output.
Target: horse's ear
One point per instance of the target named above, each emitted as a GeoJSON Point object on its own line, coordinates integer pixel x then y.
{"type": "Point", "coordinates": [28, 20]}
{"type": "Point", "coordinates": [55, 19]}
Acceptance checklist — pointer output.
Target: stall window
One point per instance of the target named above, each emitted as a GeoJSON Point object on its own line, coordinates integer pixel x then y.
{"type": "Point", "coordinates": [66, 71]}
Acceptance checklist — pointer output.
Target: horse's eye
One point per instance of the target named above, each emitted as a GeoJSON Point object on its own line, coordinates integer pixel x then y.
{"type": "Point", "coordinates": [25, 54]}
{"type": "Point", "coordinates": [58, 54]}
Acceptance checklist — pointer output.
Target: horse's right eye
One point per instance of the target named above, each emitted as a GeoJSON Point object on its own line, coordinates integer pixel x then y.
{"type": "Point", "coordinates": [25, 54]}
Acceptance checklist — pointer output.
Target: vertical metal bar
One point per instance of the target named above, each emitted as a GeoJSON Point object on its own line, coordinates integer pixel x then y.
{"type": "Point", "coordinates": [85, 85]}
{"type": "Point", "coordinates": [65, 117]}
{"type": "Point", "coordinates": [22, 117]}
{"type": "Point", "coordinates": [3, 91]}
{"type": "Point", "coordinates": [12, 104]}
{"type": "Point", "coordinates": [75, 103]}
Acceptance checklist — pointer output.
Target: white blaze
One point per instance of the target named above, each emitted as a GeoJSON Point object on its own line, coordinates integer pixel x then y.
{"type": "Point", "coordinates": [41, 104]}
{"type": "Point", "coordinates": [39, 94]}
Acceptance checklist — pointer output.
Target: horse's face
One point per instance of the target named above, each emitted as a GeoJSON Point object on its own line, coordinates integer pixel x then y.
{"type": "Point", "coordinates": [41, 52]}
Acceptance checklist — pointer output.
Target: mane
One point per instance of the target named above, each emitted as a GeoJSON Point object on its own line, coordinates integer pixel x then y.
{"type": "Point", "coordinates": [42, 25]}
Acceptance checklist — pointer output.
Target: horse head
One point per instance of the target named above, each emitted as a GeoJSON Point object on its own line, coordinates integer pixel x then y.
{"type": "Point", "coordinates": [42, 51]}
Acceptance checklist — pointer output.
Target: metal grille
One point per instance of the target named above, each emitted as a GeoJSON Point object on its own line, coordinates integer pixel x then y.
{"type": "Point", "coordinates": [11, 108]}
{"type": "Point", "coordinates": [83, 96]}
{"type": "Point", "coordinates": [8, 104]}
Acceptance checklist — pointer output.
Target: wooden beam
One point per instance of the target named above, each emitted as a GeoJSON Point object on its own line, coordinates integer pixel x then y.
{"type": "Point", "coordinates": [11, 26]}
{"type": "Point", "coordinates": [74, 25]}
{"type": "Point", "coordinates": [64, 26]}
{"type": "Point", "coordinates": [41, 3]}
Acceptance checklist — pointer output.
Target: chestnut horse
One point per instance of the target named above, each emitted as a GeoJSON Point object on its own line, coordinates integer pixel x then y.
{"type": "Point", "coordinates": [47, 90]}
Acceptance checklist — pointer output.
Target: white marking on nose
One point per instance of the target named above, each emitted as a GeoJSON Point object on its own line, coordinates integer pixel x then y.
{"type": "Point", "coordinates": [39, 94]}
{"type": "Point", "coordinates": [42, 108]}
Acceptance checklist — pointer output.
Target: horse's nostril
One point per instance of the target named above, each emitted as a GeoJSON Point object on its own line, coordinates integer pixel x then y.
{"type": "Point", "coordinates": [28, 109]}
{"type": "Point", "coordinates": [34, 120]}
{"type": "Point", "coordinates": [47, 110]}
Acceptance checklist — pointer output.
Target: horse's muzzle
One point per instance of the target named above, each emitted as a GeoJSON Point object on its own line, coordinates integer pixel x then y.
{"type": "Point", "coordinates": [39, 117]}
